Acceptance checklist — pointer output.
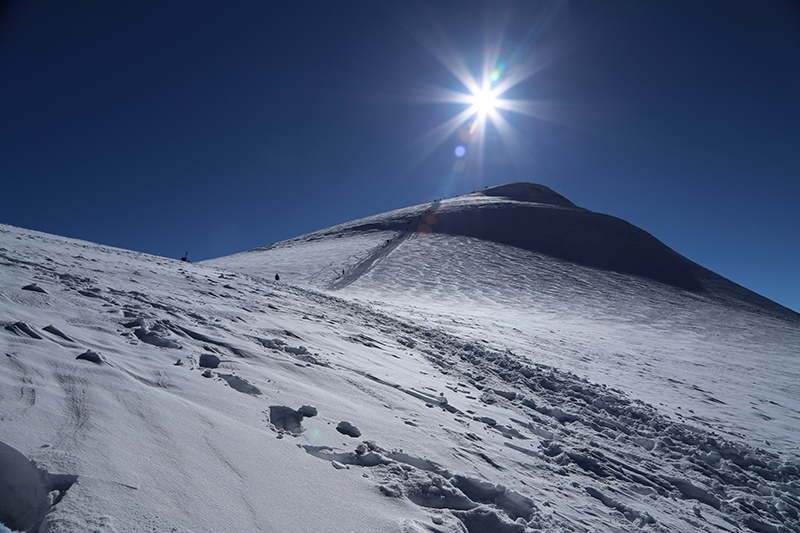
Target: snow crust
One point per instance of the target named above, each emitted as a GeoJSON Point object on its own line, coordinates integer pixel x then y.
{"type": "Point", "coordinates": [404, 375]}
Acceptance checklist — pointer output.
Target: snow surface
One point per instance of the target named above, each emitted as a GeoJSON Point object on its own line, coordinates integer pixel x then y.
{"type": "Point", "coordinates": [501, 361]}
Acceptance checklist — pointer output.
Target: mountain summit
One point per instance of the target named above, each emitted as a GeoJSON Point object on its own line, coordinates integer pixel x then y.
{"type": "Point", "coordinates": [526, 192]}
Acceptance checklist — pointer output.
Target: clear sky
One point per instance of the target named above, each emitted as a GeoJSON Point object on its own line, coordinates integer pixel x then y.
{"type": "Point", "coordinates": [216, 127]}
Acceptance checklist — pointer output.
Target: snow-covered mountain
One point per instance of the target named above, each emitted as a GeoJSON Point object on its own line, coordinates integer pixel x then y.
{"type": "Point", "coordinates": [520, 267]}
{"type": "Point", "coordinates": [500, 361]}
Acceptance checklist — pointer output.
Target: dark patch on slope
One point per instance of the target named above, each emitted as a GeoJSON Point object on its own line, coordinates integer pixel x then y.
{"type": "Point", "coordinates": [583, 237]}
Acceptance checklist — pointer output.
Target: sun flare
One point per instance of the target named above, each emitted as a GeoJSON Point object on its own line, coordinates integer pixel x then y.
{"type": "Point", "coordinates": [484, 103]}
{"type": "Point", "coordinates": [490, 90]}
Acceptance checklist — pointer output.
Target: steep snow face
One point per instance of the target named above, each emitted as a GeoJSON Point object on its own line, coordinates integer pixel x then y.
{"type": "Point", "coordinates": [431, 382]}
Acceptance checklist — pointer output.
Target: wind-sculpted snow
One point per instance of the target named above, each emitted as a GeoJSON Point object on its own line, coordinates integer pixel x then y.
{"type": "Point", "coordinates": [285, 408]}
{"type": "Point", "coordinates": [21, 328]}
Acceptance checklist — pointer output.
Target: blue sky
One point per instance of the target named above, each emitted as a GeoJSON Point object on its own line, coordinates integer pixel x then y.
{"type": "Point", "coordinates": [218, 127]}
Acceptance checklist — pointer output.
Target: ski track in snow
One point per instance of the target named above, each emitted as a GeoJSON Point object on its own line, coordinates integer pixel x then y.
{"type": "Point", "coordinates": [460, 427]}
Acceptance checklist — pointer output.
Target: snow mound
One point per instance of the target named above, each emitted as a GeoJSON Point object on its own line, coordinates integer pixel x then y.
{"type": "Point", "coordinates": [25, 491]}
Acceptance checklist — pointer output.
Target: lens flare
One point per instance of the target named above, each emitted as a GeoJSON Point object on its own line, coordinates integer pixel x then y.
{"type": "Point", "coordinates": [313, 436]}
{"type": "Point", "coordinates": [483, 104]}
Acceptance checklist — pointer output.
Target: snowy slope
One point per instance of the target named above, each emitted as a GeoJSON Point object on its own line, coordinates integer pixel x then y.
{"type": "Point", "coordinates": [520, 267]}
{"type": "Point", "coordinates": [394, 380]}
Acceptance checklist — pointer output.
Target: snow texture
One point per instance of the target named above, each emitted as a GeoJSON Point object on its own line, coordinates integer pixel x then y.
{"type": "Point", "coordinates": [502, 361]}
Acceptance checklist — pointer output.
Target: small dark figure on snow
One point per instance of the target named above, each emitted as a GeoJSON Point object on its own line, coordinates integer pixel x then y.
{"type": "Point", "coordinates": [277, 277]}
{"type": "Point", "coordinates": [185, 257]}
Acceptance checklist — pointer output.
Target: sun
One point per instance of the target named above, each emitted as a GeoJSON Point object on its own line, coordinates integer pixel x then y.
{"type": "Point", "coordinates": [484, 101]}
